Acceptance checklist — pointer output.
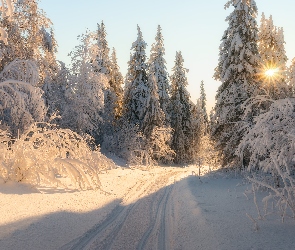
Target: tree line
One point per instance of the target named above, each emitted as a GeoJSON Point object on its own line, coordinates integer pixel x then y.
{"type": "Point", "coordinates": [145, 117]}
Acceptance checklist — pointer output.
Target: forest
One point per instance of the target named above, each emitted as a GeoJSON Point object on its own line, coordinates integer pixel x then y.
{"type": "Point", "coordinates": [60, 125]}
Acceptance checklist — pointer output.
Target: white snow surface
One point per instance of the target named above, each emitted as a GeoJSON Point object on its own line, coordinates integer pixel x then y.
{"type": "Point", "coordinates": [158, 208]}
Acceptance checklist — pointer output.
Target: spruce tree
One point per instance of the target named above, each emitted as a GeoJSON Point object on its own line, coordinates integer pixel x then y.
{"type": "Point", "coordinates": [180, 112]}
{"type": "Point", "coordinates": [116, 81]}
{"type": "Point", "coordinates": [291, 77]}
{"type": "Point", "coordinates": [154, 116]}
{"type": "Point", "coordinates": [273, 70]}
{"type": "Point", "coordinates": [157, 68]}
{"type": "Point", "coordinates": [237, 70]}
{"type": "Point", "coordinates": [102, 62]}
{"type": "Point", "coordinates": [203, 100]}
{"type": "Point", "coordinates": [136, 85]}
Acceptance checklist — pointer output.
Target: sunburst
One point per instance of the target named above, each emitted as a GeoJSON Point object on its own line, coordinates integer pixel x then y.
{"type": "Point", "coordinates": [270, 73]}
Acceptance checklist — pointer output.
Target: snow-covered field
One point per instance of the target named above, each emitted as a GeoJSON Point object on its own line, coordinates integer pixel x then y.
{"type": "Point", "coordinates": [159, 208]}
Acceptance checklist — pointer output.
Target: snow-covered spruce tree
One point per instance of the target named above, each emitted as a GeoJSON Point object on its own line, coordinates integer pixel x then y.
{"type": "Point", "coordinates": [237, 70]}
{"type": "Point", "coordinates": [203, 101]}
{"type": "Point", "coordinates": [85, 95]}
{"type": "Point", "coordinates": [102, 63]}
{"type": "Point", "coordinates": [273, 70]}
{"type": "Point", "coordinates": [291, 77]}
{"type": "Point", "coordinates": [158, 136]}
{"type": "Point", "coordinates": [157, 67]}
{"type": "Point", "coordinates": [136, 84]}
{"type": "Point", "coordinates": [116, 82]}
{"type": "Point", "coordinates": [180, 112]}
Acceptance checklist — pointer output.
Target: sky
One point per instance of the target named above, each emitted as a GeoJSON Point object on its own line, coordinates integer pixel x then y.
{"type": "Point", "coordinates": [193, 27]}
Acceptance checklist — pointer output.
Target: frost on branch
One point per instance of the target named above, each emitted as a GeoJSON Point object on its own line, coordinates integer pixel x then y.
{"type": "Point", "coordinates": [21, 104]}
{"type": "Point", "coordinates": [46, 155]}
{"type": "Point", "coordinates": [271, 144]}
{"type": "Point", "coordinates": [21, 70]}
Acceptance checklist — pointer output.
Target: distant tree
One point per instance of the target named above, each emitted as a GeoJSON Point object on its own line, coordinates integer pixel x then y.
{"type": "Point", "coordinates": [157, 68]}
{"type": "Point", "coordinates": [203, 104]}
{"type": "Point", "coordinates": [102, 63]}
{"type": "Point", "coordinates": [154, 116]}
{"type": "Point", "coordinates": [181, 117]}
{"type": "Point", "coordinates": [291, 76]}
{"type": "Point", "coordinates": [116, 81]}
{"type": "Point", "coordinates": [136, 85]}
{"type": "Point", "coordinates": [237, 69]}
{"type": "Point", "coordinates": [273, 70]}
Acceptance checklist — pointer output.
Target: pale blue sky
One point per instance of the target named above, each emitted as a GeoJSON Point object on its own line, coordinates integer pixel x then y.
{"type": "Point", "coordinates": [194, 27]}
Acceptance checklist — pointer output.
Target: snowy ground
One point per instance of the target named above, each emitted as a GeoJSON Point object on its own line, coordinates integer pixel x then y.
{"type": "Point", "coordinates": [162, 208]}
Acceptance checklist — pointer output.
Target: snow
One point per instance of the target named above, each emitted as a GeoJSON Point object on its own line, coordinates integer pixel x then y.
{"type": "Point", "coordinates": [157, 208]}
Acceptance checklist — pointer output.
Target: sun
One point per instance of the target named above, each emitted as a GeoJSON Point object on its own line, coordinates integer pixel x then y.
{"type": "Point", "coordinates": [271, 72]}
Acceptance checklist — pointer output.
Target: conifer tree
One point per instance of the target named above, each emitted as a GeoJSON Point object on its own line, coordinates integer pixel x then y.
{"type": "Point", "coordinates": [273, 70]}
{"type": "Point", "coordinates": [291, 76]}
{"type": "Point", "coordinates": [157, 68]}
{"type": "Point", "coordinates": [203, 100]}
{"type": "Point", "coordinates": [136, 88]}
{"type": "Point", "coordinates": [180, 112]}
{"type": "Point", "coordinates": [116, 81]}
{"type": "Point", "coordinates": [102, 62]}
{"type": "Point", "coordinates": [237, 70]}
{"type": "Point", "coordinates": [154, 116]}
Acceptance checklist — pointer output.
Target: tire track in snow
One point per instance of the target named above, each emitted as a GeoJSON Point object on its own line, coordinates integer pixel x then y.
{"type": "Point", "coordinates": [87, 238]}
{"type": "Point", "coordinates": [158, 223]}
{"type": "Point", "coordinates": [102, 235]}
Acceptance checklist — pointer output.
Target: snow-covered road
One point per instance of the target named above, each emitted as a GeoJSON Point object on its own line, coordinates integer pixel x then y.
{"type": "Point", "coordinates": [162, 208]}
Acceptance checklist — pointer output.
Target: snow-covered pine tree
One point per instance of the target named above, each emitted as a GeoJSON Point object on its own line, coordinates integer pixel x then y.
{"type": "Point", "coordinates": [273, 70]}
{"type": "Point", "coordinates": [154, 115]}
{"type": "Point", "coordinates": [157, 135]}
{"type": "Point", "coordinates": [136, 85]}
{"type": "Point", "coordinates": [116, 82]}
{"type": "Point", "coordinates": [157, 67]}
{"type": "Point", "coordinates": [237, 69]}
{"type": "Point", "coordinates": [291, 76]}
{"type": "Point", "coordinates": [102, 63]}
{"type": "Point", "coordinates": [203, 101]}
{"type": "Point", "coordinates": [181, 118]}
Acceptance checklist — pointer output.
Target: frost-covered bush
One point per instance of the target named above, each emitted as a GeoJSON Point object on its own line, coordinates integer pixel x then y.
{"type": "Point", "coordinates": [127, 142]}
{"type": "Point", "coordinates": [47, 155]}
{"type": "Point", "coordinates": [270, 145]}
{"type": "Point", "coordinates": [131, 144]}
{"type": "Point", "coordinates": [158, 145]}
